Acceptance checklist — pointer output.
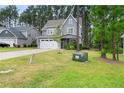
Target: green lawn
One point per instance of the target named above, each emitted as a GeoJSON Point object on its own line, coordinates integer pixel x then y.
{"type": "Point", "coordinates": [50, 69]}
{"type": "Point", "coordinates": [12, 49]}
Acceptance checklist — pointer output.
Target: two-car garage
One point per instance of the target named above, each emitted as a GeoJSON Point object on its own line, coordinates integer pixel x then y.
{"type": "Point", "coordinates": [48, 44]}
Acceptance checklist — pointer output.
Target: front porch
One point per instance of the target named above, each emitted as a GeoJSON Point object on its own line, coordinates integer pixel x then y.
{"type": "Point", "coordinates": [67, 39]}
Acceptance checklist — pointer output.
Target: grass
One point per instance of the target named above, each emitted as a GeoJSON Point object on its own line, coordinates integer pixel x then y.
{"type": "Point", "coordinates": [13, 49]}
{"type": "Point", "coordinates": [50, 69]}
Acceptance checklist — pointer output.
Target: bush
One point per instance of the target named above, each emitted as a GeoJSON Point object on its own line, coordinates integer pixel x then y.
{"type": "Point", "coordinates": [83, 47]}
{"type": "Point", "coordinates": [120, 50]}
{"type": "Point", "coordinates": [29, 45]}
{"type": "Point", "coordinates": [18, 46]}
{"type": "Point", "coordinates": [72, 46]}
{"type": "Point", "coordinates": [24, 45]}
{"type": "Point", "coordinates": [34, 44]}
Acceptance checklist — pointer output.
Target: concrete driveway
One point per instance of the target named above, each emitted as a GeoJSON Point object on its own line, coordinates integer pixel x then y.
{"type": "Point", "coordinates": [8, 55]}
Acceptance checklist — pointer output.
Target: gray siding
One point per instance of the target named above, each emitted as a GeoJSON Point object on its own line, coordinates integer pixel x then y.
{"type": "Point", "coordinates": [30, 33]}
{"type": "Point", "coordinates": [73, 25]}
{"type": "Point", "coordinates": [21, 42]}
{"type": "Point", "coordinates": [46, 33]}
{"type": "Point", "coordinates": [65, 28]}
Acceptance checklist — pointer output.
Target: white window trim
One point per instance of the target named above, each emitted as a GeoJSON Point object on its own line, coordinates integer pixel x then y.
{"type": "Point", "coordinates": [68, 30]}
{"type": "Point", "coordinates": [70, 21]}
{"type": "Point", "coordinates": [49, 31]}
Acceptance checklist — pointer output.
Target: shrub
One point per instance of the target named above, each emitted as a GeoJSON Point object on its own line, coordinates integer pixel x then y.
{"type": "Point", "coordinates": [29, 45]}
{"type": "Point", "coordinates": [34, 44]}
{"type": "Point", "coordinates": [120, 50]}
{"type": "Point", "coordinates": [18, 46]}
{"type": "Point", "coordinates": [24, 45]}
{"type": "Point", "coordinates": [70, 46]}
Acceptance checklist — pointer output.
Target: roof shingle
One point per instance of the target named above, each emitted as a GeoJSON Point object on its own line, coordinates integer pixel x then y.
{"type": "Point", "coordinates": [17, 33]}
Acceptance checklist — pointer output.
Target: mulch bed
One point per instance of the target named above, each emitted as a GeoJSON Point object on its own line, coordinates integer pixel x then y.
{"type": "Point", "coordinates": [110, 61]}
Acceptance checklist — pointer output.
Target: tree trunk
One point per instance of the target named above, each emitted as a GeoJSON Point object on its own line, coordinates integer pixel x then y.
{"type": "Point", "coordinates": [103, 55]}
{"type": "Point", "coordinates": [117, 52]}
{"type": "Point", "coordinates": [113, 47]}
{"type": "Point", "coordinates": [103, 51]}
{"type": "Point", "coordinates": [85, 30]}
{"type": "Point", "coordinates": [78, 48]}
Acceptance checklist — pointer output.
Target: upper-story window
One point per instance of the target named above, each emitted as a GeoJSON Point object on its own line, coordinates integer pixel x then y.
{"type": "Point", "coordinates": [70, 30]}
{"type": "Point", "coordinates": [50, 32]}
{"type": "Point", "coordinates": [70, 21]}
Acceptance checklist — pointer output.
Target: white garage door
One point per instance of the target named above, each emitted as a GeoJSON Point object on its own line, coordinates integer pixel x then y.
{"type": "Point", "coordinates": [8, 41]}
{"type": "Point", "coordinates": [48, 44]}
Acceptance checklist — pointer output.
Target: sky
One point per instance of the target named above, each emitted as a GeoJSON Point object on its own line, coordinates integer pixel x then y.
{"type": "Point", "coordinates": [21, 8]}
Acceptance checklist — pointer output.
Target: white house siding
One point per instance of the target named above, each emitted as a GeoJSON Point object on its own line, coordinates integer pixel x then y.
{"type": "Point", "coordinates": [9, 41]}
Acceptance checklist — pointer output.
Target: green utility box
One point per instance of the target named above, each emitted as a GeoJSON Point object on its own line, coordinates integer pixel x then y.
{"type": "Point", "coordinates": [80, 56]}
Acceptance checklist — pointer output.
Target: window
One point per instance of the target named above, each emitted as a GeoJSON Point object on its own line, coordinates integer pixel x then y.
{"type": "Point", "coordinates": [50, 32]}
{"type": "Point", "coordinates": [70, 30]}
{"type": "Point", "coordinates": [70, 21]}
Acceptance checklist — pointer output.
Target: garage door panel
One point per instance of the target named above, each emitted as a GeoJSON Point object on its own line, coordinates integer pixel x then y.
{"type": "Point", "coordinates": [48, 44]}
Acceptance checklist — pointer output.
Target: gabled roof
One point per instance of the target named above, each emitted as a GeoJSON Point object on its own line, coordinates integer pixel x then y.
{"type": "Point", "coordinates": [24, 28]}
{"type": "Point", "coordinates": [6, 33]}
{"type": "Point", "coordinates": [53, 23]}
{"type": "Point", "coordinates": [17, 33]}
{"type": "Point", "coordinates": [60, 22]}
{"type": "Point", "coordinates": [80, 20]}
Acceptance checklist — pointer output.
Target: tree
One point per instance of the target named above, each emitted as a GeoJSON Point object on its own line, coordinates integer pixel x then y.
{"type": "Point", "coordinates": [85, 25]}
{"type": "Point", "coordinates": [116, 22]}
{"type": "Point", "coordinates": [108, 24]}
{"type": "Point", "coordinates": [57, 37]}
{"type": "Point", "coordinates": [78, 14]}
{"type": "Point", "coordinates": [98, 17]}
{"type": "Point", "coordinates": [9, 15]}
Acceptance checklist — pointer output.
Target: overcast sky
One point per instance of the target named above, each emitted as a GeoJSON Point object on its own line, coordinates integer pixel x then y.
{"type": "Point", "coordinates": [20, 7]}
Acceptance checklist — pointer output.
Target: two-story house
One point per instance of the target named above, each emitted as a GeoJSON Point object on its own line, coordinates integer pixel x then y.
{"type": "Point", "coordinates": [68, 29]}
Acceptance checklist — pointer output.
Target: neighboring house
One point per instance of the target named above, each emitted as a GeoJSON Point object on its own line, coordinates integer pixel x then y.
{"type": "Point", "coordinates": [30, 33]}
{"type": "Point", "coordinates": [18, 35]}
{"type": "Point", "coordinates": [12, 36]}
{"type": "Point", "coordinates": [68, 29]}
